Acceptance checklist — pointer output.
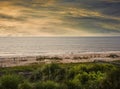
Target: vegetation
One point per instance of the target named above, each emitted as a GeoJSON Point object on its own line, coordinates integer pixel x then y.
{"type": "Point", "coordinates": [10, 81]}
{"type": "Point", "coordinates": [42, 58]}
{"type": "Point", "coordinates": [113, 56]}
{"type": "Point", "coordinates": [61, 76]}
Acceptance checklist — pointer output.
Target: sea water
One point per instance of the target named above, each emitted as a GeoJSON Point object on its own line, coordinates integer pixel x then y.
{"type": "Point", "coordinates": [57, 45]}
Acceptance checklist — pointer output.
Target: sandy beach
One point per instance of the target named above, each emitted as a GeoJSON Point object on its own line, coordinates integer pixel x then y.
{"type": "Point", "coordinates": [10, 61]}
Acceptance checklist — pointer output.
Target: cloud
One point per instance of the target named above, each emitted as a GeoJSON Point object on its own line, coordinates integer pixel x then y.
{"type": "Point", "coordinates": [59, 17]}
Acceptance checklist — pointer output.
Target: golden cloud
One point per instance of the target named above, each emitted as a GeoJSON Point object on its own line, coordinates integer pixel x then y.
{"type": "Point", "coordinates": [48, 18]}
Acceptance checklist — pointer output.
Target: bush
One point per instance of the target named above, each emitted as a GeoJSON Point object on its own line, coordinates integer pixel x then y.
{"type": "Point", "coordinates": [101, 67]}
{"type": "Point", "coordinates": [47, 85]}
{"type": "Point", "coordinates": [62, 76]}
{"type": "Point", "coordinates": [50, 71]}
{"type": "Point", "coordinates": [10, 81]}
{"type": "Point", "coordinates": [25, 85]}
{"type": "Point", "coordinates": [112, 81]}
{"type": "Point", "coordinates": [36, 75]}
{"type": "Point", "coordinates": [73, 84]}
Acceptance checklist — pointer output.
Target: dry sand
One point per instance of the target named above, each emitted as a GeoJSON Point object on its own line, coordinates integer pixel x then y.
{"type": "Point", "coordinates": [10, 61]}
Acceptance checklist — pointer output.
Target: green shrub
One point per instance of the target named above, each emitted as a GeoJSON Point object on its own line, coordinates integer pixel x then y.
{"type": "Point", "coordinates": [73, 84]}
{"type": "Point", "coordinates": [25, 85]}
{"type": "Point", "coordinates": [37, 75]}
{"type": "Point", "coordinates": [10, 81]}
{"type": "Point", "coordinates": [100, 67]}
{"type": "Point", "coordinates": [47, 85]}
{"type": "Point", "coordinates": [112, 80]}
{"type": "Point", "coordinates": [50, 71]}
{"type": "Point", "coordinates": [62, 76]}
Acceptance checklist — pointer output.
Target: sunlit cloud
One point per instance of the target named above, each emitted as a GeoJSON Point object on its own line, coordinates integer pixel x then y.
{"type": "Point", "coordinates": [59, 18]}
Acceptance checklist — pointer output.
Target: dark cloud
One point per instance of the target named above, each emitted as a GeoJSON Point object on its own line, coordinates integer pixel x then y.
{"type": "Point", "coordinates": [108, 7]}
{"type": "Point", "coordinates": [3, 16]}
{"type": "Point", "coordinates": [11, 18]}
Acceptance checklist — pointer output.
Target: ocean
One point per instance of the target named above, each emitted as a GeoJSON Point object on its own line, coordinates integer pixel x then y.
{"type": "Point", "coordinates": [57, 45]}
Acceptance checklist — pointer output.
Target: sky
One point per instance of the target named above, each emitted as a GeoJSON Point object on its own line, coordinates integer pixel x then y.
{"type": "Point", "coordinates": [59, 17]}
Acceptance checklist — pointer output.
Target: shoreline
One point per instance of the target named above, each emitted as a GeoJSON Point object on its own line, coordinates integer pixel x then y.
{"type": "Point", "coordinates": [11, 61]}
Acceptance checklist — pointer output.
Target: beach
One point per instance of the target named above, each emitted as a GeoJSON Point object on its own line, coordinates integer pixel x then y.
{"type": "Point", "coordinates": [18, 51]}
{"type": "Point", "coordinates": [10, 61]}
